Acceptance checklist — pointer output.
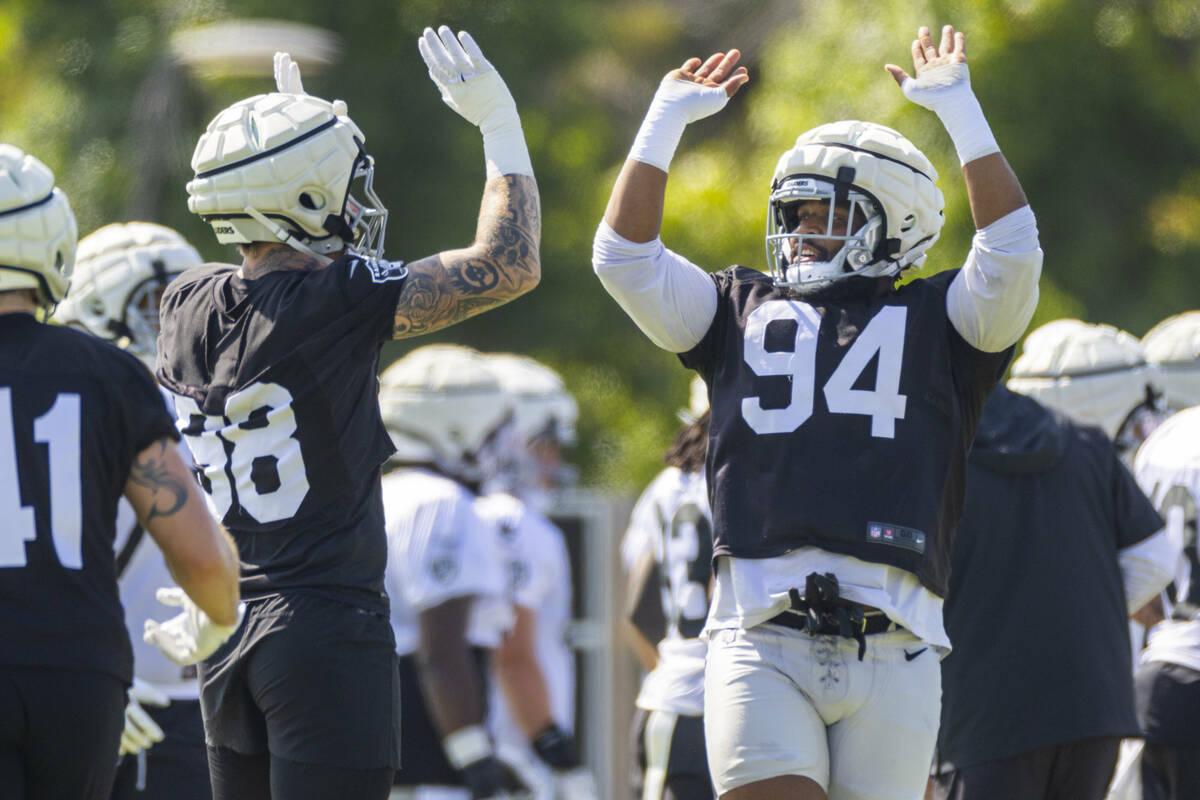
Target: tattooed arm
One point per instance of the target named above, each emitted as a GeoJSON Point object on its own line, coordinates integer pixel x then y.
{"type": "Point", "coordinates": [502, 264]}
{"type": "Point", "coordinates": [200, 555]}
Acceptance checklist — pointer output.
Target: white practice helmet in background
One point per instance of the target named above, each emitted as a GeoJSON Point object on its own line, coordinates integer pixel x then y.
{"type": "Point", "coordinates": [541, 403]}
{"type": "Point", "coordinates": [278, 167]}
{"type": "Point", "coordinates": [1095, 374]}
{"type": "Point", "coordinates": [443, 406]}
{"type": "Point", "coordinates": [1173, 346]}
{"type": "Point", "coordinates": [37, 229]}
{"type": "Point", "coordinates": [697, 401]}
{"type": "Point", "coordinates": [545, 414]}
{"type": "Point", "coordinates": [120, 271]}
{"type": "Point", "coordinates": [890, 186]}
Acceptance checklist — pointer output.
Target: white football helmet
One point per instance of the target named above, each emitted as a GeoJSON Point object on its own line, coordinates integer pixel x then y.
{"type": "Point", "coordinates": [444, 407]}
{"type": "Point", "coordinates": [278, 167]}
{"type": "Point", "coordinates": [1173, 346]}
{"type": "Point", "coordinates": [1095, 374]}
{"type": "Point", "coordinates": [882, 208]}
{"type": "Point", "coordinates": [37, 229]}
{"type": "Point", "coordinates": [120, 271]}
{"type": "Point", "coordinates": [544, 413]}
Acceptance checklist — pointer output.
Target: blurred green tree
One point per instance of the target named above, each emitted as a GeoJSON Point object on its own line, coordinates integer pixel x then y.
{"type": "Point", "coordinates": [1093, 104]}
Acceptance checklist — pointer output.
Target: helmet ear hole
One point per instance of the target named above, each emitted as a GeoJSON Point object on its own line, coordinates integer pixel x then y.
{"type": "Point", "coordinates": [313, 201]}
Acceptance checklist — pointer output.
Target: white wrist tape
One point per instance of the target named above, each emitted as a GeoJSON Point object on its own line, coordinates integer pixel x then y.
{"type": "Point", "coordinates": [946, 91]}
{"type": "Point", "coordinates": [467, 745]}
{"type": "Point", "coordinates": [675, 104]}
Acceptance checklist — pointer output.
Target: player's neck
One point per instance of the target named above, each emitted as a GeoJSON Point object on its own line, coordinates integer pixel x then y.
{"type": "Point", "coordinates": [276, 259]}
{"type": "Point", "coordinates": [20, 301]}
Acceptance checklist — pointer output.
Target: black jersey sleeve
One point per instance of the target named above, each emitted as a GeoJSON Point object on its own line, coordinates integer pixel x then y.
{"type": "Point", "coordinates": [139, 405]}
{"type": "Point", "coordinates": [1135, 516]}
{"type": "Point", "coordinates": [702, 358]}
{"type": "Point", "coordinates": [371, 288]}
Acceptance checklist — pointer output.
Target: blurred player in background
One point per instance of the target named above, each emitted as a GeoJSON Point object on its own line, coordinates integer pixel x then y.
{"type": "Point", "coordinates": [533, 688]}
{"type": "Point", "coordinates": [668, 550]}
{"type": "Point", "coordinates": [1168, 468]}
{"type": "Point", "coordinates": [1056, 548]}
{"type": "Point", "coordinates": [120, 273]}
{"type": "Point", "coordinates": [843, 408]}
{"type": "Point", "coordinates": [274, 367]}
{"type": "Point", "coordinates": [447, 572]}
{"type": "Point", "coordinates": [81, 424]}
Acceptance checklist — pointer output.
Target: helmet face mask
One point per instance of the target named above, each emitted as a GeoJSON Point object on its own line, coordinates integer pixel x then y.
{"type": "Point", "coordinates": [367, 223]}
{"type": "Point", "coordinates": [865, 171]}
{"type": "Point", "coordinates": [853, 223]}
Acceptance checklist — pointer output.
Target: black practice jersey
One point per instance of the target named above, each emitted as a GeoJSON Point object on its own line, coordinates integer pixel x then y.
{"type": "Point", "coordinates": [276, 390]}
{"type": "Point", "coordinates": [842, 424]}
{"type": "Point", "coordinates": [74, 412]}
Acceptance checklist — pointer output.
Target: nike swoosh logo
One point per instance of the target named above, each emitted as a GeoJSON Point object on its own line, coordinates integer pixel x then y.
{"type": "Point", "coordinates": [910, 656]}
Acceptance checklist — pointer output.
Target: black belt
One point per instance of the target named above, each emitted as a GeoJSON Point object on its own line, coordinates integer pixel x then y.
{"type": "Point", "coordinates": [872, 622]}
{"type": "Point", "coordinates": [822, 611]}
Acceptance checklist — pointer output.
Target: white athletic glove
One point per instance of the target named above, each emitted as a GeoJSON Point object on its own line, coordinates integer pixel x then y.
{"type": "Point", "coordinates": [287, 75]}
{"type": "Point", "coordinates": [946, 91]}
{"type": "Point", "coordinates": [676, 104]}
{"type": "Point", "coordinates": [191, 636]}
{"type": "Point", "coordinates": [141, 732]}
{"type": "Point", "coordinates": [471, 86]}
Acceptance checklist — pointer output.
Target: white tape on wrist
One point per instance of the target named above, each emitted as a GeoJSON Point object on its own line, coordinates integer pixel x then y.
{"type": "Point", "coordinates": [676, 104]}
{"type": "Point", "coordinates": [968, 128]}
{"type": "Point", "coordinates": [467, 745]}
{"type": "Point", "coordinates": [946, 91]}
{"type": "Point", "coordinates": [504, 150]}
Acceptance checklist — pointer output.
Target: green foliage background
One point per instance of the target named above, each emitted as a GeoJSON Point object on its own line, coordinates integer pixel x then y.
{"type": "Point", "coordinates": [1094, 103]}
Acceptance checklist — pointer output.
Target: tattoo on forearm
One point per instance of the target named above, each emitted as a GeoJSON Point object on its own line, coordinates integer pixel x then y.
{"type": "Point", "coordinates": [150, 471]}
{"type": "Point", "coordinates": [502, 264]}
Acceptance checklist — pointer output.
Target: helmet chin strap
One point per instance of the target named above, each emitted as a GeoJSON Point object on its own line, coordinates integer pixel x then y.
{"type": "Point", "coordinates": [282, 235]}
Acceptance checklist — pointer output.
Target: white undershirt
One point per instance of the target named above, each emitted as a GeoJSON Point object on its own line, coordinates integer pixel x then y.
{"type": "Point", "coordinates": [673, 301]}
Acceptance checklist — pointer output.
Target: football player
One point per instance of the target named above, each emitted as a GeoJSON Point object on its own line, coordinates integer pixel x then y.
{"type": "Point", "coordinates": [120, 273]}
{"type": "Point", "coordinates": [1168, 468]}
{"type": "Point", "coordinates": [669, 548]}
{"type": "Point", "coordinates": [533, 692]}
{"type": "Point", "coordinates": [81, 424]}
{"type": "Point", "coordinates": [1054, 528]}
{"type": "Point", "coordinates": [842, 410]}
{"type": "Point", "coordinates": [446, 575]}
{"type": "Point", "coordinates": [274, 365]}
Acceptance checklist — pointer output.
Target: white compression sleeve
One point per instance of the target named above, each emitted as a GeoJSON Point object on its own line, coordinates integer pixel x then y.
{"type": "Point", "coordinates": [671, 300]}
{"type": "Point", "coordinates": [991, 301]}
{"type": "Point", "coordinates": [1146, 568]}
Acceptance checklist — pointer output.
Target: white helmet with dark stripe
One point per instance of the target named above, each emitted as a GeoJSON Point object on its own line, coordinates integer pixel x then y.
{"type": "Point", "coordinates": [1095, 374]}
{"type": "Point", "coordinates": [883, 189]}
{"type": "Point", "coordinates": [1173, 346]}
{"type": "Point", "coordinates": [279, 167]}
{"type": "Point", "coordinates": [37, 229]}
{"type": "Point", "coordinates": [120, 271]}
{"type": "Point", "coordinates": [444, 407]}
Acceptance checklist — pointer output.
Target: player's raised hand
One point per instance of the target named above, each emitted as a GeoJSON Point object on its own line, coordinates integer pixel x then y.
{"type": "Point", "coordinates": [718, 70]}
{"type": "Point", "coordinates": [466, 80]}
{"type": "Point", "coordinates": [702, 88]}
{"type": "Point", "coordinates": [943, 85]}
{"type": "Point", "coordinates": [940, 70]}
{"type": "Point", "coordinates": [287, 75]}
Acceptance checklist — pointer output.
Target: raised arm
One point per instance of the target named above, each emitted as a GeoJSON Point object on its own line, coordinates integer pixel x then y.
{"type": "Point", "coordinates": [993, 298]}
{"type": "Point", "coordinates": [668, 297]}
{"type": "Point", "coordinates": [503, 262]}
